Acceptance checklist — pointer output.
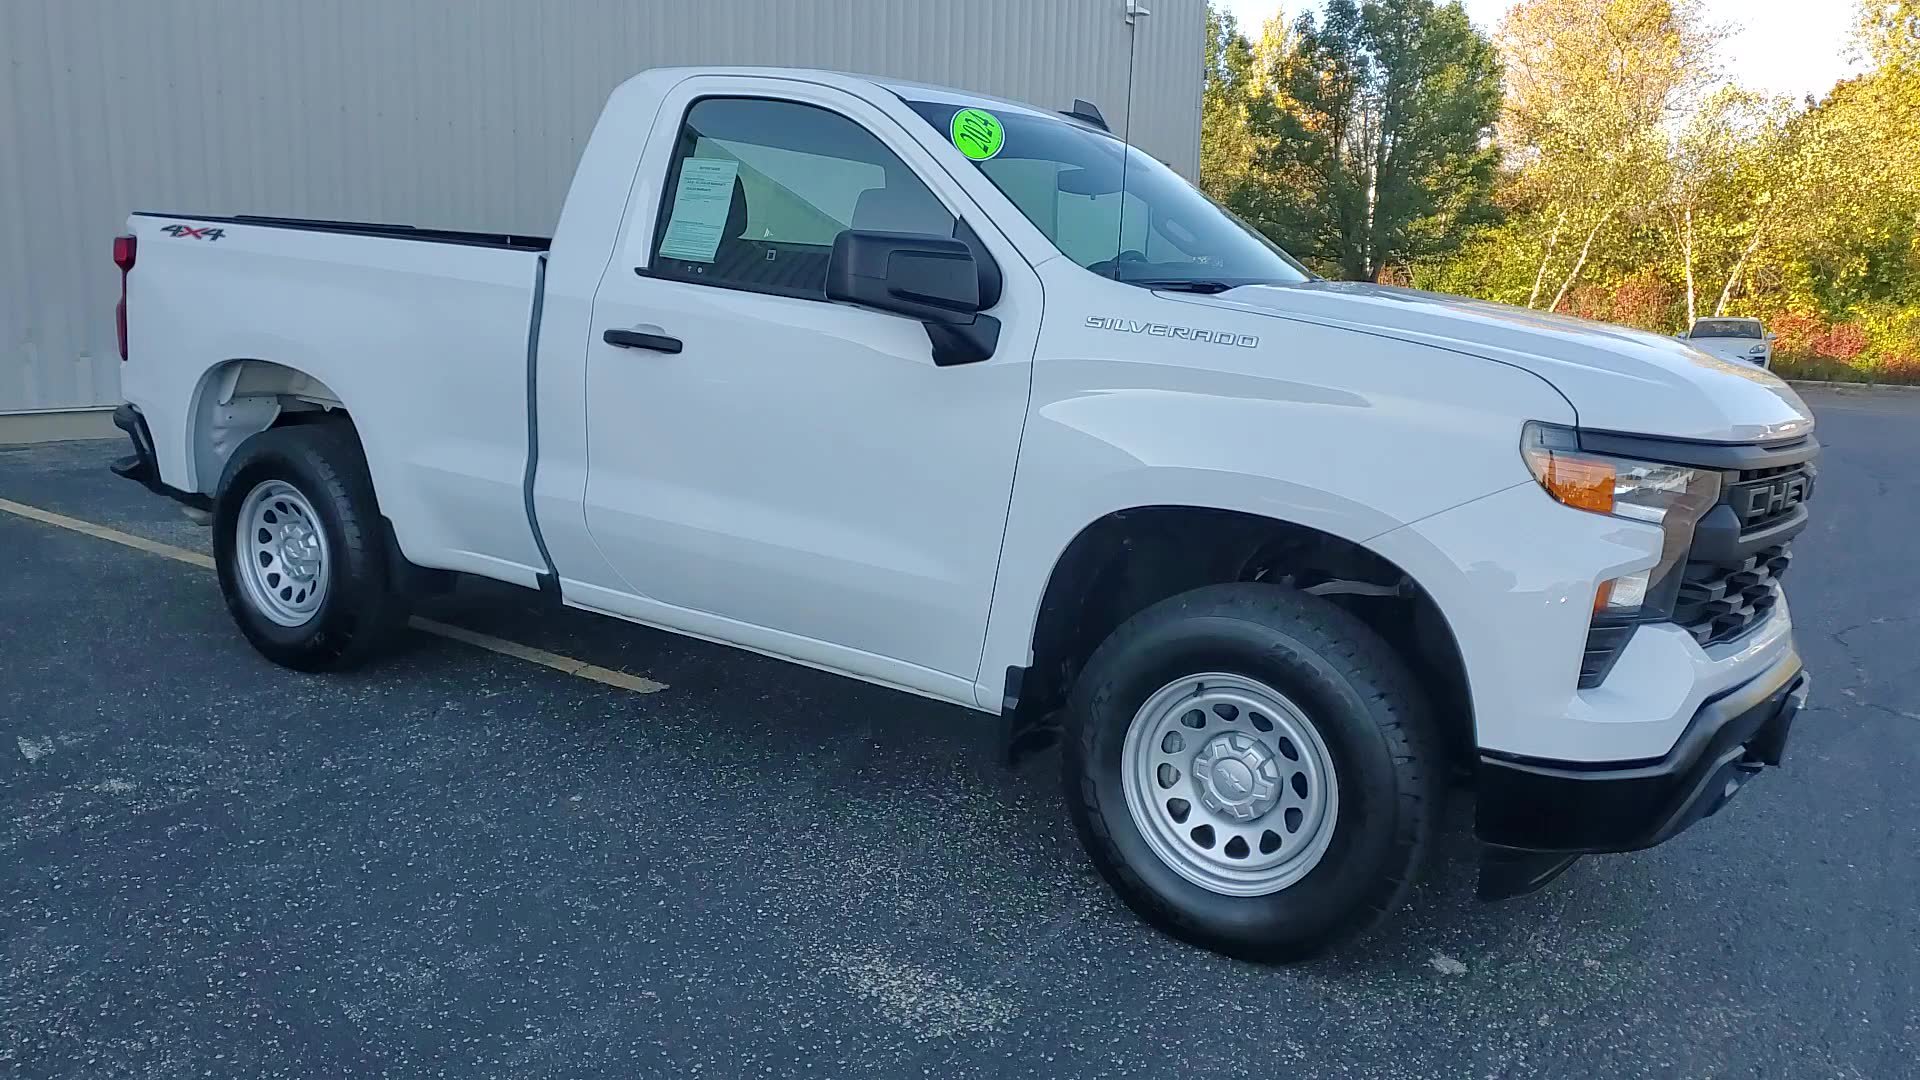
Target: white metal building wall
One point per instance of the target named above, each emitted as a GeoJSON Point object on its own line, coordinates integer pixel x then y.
{"type": "Point", "coordinates": [452, 113]}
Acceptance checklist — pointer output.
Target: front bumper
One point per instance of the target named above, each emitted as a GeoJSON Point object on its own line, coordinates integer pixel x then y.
{"type": "Point", "coordinates": [1536, 817]}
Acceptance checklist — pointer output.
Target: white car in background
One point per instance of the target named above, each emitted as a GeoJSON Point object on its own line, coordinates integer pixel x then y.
{"type": "Point", "coordinates": [1743, 341]}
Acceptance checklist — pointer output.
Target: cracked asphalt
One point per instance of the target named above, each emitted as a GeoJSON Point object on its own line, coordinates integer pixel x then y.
{"type": "Point", "coordinates": [459, 864]}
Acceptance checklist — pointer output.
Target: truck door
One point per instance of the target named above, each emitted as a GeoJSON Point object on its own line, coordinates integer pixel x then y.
{"type": "Point", "coordinates": [772, 469]}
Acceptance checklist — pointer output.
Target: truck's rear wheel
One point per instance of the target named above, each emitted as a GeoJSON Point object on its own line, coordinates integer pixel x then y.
{"type": "Point", "coordinates": [1248, 767]}
{"type": "Point", "coordinates": [298, 542]}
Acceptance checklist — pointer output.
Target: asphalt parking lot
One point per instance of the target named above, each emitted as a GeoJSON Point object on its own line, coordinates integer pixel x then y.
{"type": "Point", "coordinates": [459, 863]}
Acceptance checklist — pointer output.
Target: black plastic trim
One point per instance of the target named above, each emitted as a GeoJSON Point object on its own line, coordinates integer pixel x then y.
{"type": "Point", "coordinates": [143, 466]}
{"type": "Point", "coordinates": [1605, 642]}
{"type": "Point", "coordinates": [1704, 454]}
{"type": "Point", "coordinates": [508, 241]}
{"type": "Point", "coordinates": [1087, 113]}
{"type": "Point", "coordinates": [1717, 539]}
{"type": "Point", "coordinates": [652, 273]}
{"type": "Point", "coordinates": [992, 282]}
{"type": "Point", "coordinates": [963, 343]}
{"type": "Point", "coordinates": [1509, 872]}
{"type": "Point", "coordinates": [1581, 807]}
{"type": "Point", "coordinates": [1025, 729]}
{"type": "Point", "coordinates": [640, 339]}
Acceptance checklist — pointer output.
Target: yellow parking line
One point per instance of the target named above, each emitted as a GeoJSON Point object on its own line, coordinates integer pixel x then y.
{"type": "Point", "coordinates": [531, 655]}
{"type": "Point", "coordinates": [151, 547]}
{"type": "Point", "coordinates": [564, 664]}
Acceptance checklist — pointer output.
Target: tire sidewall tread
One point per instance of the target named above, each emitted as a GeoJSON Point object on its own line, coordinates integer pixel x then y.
{"type": "Point", "coordinates": [362, 609]}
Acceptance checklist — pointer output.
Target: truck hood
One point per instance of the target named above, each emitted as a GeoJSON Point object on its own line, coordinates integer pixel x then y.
{"type": "Point", "coordinates": [1617, 379]}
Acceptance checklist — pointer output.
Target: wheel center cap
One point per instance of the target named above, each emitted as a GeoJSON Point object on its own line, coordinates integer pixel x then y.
{"type": "Point", "coordinates": [297, 547]}
{"type": "Point", "coordinates": [1237, 776]}
{"type": "Point", "coordinates": [1233, 779]}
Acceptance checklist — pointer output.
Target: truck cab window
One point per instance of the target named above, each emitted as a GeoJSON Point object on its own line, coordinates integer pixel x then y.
{"type": "Point", "coordinates": [758, 189]}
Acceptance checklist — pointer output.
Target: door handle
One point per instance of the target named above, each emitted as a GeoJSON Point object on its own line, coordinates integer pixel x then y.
{"type": "Point", "coordinates": [641, 339]}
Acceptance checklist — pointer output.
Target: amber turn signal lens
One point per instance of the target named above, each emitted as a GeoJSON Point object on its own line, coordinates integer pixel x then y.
{"type": "Point", "coordinates": [1580, 482]}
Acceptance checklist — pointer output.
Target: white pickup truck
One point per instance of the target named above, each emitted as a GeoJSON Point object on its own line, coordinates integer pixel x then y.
{"type": "Point", "coordinates": [966, 398]}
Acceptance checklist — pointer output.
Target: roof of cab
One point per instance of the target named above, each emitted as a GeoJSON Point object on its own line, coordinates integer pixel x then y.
{"type": "Point", "coordinates": [900, 88]}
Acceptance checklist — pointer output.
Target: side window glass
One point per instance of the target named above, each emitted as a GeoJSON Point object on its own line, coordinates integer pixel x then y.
{"type": "Point", "coordinates": [758, 189]}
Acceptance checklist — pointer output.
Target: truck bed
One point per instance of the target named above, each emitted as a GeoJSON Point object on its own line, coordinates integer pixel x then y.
{"type": "Point", "coordinates": [422, 335]}
{"type": "Point", "coordinates": [511, 241]}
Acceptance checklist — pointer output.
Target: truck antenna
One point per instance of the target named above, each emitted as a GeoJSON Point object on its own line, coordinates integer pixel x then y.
{"type": "Point", "coordinates": [1135, 12]}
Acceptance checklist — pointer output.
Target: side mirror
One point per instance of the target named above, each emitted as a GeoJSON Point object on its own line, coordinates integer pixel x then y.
{"type": "Point", "coordinates": [919, 275]}
{"type": "Point", "coordinates": [1681, 336]}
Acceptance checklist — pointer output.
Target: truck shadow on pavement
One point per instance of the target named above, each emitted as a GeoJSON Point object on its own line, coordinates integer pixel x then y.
{"type": "Point", "coordinates": [893, 803]}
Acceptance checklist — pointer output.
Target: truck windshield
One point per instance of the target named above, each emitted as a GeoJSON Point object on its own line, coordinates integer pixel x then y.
{"type": "Point", "coordinates": [1733, 328]}
{"type": "Point", "coordinates": [1160, 232]}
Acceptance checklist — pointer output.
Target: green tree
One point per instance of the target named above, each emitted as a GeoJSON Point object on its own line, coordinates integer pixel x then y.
{"type": "Point", "coordinates": [1248, 163]}
{"type": "Point", "coordinates": [1229, 146]}
{"type": "Point", "coordinates": [1389, 107]}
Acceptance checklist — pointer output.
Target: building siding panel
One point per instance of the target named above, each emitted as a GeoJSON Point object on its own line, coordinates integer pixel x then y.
{"type": "Point", "coordinates": [465, 114]}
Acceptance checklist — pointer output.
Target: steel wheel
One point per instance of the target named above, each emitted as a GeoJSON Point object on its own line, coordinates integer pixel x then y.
{"type": "Point", "coordinates": [1230, 784]}
{"type": "Point", "coordinates": [281, 553]}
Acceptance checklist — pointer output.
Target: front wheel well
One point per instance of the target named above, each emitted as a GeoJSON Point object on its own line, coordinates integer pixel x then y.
{"type": "Point", "coordinates": [1132, 559]}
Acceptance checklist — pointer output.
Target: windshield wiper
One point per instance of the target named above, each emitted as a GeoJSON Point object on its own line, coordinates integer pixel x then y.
{"type": "Point", "coordinates": [1184, 284]}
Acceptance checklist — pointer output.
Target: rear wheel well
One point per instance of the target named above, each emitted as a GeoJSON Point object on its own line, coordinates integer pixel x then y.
{"type": "Point", "coordinates": [240, 398]}
{"type": "Point", "coordinates": [1132, 559]}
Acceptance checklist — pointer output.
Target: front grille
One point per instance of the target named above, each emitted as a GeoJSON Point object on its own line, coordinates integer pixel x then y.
{"type": "Point", "coordinates": [1763, 497]}
{"type": "Point", "coordinates": [1727, 588]}
{"type": "Point", "coordinates": [1721, 602]}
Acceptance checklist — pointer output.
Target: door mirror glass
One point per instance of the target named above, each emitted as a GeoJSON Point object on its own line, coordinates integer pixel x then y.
{"type": "Point", "coordinates": [919, 275]}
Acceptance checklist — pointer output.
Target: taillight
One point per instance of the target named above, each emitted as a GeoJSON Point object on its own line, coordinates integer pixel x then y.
{"type": "Point", "coordinates": [124, 249]}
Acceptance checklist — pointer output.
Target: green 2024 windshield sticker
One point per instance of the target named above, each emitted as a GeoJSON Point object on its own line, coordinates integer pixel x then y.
{"type": "Point", "coordinates": [978, 133]}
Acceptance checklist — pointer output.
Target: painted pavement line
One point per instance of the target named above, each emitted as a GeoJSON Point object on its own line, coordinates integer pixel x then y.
{"type": "Point", "coordinates": [566, 665]}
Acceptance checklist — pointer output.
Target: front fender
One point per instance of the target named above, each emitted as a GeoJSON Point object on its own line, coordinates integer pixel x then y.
{"type": "Point", "coordinates": [1356, 447]}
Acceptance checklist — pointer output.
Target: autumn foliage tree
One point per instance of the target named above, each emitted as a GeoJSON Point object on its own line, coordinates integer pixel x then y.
{"type": "Point", "coordinates": [1600, 164]}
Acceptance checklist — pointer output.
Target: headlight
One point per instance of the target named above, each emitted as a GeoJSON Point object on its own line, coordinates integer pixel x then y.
{"type": "Point", "coordinates": [1673, 497]}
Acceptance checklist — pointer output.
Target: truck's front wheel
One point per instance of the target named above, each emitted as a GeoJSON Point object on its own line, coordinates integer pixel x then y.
{"type": "Point", "coordinates": [298, 542]}
{"type": "Point", "coordinates": [1247, 765]}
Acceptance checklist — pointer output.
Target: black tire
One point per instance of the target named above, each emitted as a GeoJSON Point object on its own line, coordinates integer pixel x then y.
{"type": "Point", "coordinates": [363, 609]}
{"type": "Point", "coordinates": [1358, 694]}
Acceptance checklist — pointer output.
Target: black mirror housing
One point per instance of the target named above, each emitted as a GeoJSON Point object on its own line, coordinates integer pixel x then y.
{"type": "Point", "coordinates": [923, 276]}
{"type": "Point", "coordinates": [919, 275]}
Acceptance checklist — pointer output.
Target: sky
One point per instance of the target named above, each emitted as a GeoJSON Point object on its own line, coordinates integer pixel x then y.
{"type": "Point", "coordinates": [1779, 46]}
